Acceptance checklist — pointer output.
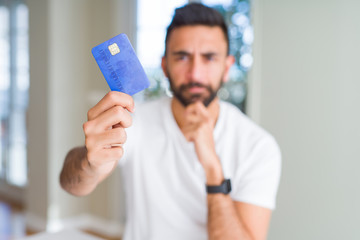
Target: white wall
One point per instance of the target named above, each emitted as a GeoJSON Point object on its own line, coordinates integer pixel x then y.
{"type": "Point", "coordinates": [307, 67]}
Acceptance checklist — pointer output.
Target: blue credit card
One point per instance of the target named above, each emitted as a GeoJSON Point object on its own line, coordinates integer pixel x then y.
{"type": "Point", "coordinates": [120, 66]}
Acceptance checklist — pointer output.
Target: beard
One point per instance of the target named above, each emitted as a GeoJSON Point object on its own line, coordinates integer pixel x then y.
{"type": "Point", "coordinates": [186, 98]}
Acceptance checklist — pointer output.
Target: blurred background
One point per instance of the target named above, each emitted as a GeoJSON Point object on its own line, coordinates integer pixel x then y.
{"type": "Point", "coordinates": [296, 74]}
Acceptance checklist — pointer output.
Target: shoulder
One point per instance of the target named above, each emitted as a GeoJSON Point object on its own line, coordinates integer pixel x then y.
{"type": "Point", "coordinates": [249, 133]}
{"type": "Point", "coordinates": [255, 165]}
{"type": "Point", "coordinates": [232, 117]}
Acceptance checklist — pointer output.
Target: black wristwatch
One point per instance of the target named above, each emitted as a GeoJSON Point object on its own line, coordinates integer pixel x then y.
{"type": "Point", "coordinates": [224, 188]}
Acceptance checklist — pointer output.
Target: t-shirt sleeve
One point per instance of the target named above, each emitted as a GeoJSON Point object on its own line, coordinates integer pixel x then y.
{"type": "Point", "coordinates": [257, 177]}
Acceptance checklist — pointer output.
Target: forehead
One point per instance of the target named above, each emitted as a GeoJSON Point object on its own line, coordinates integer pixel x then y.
{"type": "Point", "coordinates": [197, 38]}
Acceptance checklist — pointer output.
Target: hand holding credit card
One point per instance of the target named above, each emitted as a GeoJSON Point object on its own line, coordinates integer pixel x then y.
{"type": "Point", "coordinates": [120, 66]}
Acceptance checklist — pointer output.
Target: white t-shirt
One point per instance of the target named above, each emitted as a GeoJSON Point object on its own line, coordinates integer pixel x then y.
{"type": "Point", "coordinates": [165, 183]}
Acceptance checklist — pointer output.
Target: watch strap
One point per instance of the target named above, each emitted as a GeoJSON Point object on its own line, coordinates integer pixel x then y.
{"type": "Point", "coordinates": [224, 187]}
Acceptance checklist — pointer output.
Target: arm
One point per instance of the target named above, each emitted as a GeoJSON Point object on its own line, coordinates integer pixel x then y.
{"type": "Point", "coordinates": [77, 176]}
{"type": "Point", "coordinates": [85, 167]}
{"type": "Point", "coordinates": [227, 219]}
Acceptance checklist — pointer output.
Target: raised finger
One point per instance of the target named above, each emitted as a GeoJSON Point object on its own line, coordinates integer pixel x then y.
{"type": "Point", "coordinates": [201, 109]}
{"type": "Point", "coordinates": [110, 100]}
{"type": "Point", "coordinates": [113, 116]}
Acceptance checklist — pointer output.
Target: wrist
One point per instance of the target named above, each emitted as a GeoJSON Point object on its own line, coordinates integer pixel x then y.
{"type": "Point", "coordinates": [88, 168]}
{"type": "Point", "coordinates": [214, 174]}
{"type": "Point", "coordinates": [224, 187]}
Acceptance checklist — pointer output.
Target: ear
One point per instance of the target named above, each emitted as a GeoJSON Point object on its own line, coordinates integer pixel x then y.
{"type": "Point", "coordinates": [229, 61]}
{"type": "Point", "coordinates": [164, 66]}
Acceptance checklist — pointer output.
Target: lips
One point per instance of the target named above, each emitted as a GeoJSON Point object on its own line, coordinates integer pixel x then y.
{"type": "Point", "coordinates": [196, 89]}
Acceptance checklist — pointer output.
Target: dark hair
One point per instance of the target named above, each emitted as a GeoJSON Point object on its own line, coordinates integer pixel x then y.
{"type": "Point", "coordinates": [197, 14]}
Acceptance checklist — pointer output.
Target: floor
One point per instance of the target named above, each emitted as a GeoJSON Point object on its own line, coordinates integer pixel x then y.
{"type": "Point", "coordinates": [12, 222]}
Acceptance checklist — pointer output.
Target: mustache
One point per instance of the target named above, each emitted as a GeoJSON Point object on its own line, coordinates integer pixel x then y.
{"type": "Point", "coordinates": [194, 84]}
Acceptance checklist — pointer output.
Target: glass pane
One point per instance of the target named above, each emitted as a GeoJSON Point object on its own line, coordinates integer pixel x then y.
{"type": "Point", "coordinates": [4, 85]}
{"type": "Point", "coordinates": [164, 10]}
{"type": "Point", "coordinates": [151, 29]}
{"type": "Point", "coordinates": [4, 50]}
{"type": "Point", "coordinates": [215, 2]}
{"type": "Point", "coordinates": [17, 164]}
{"type": "Point", "coordinates": [150, 46]}
{"type": "Point", "coordinates": [22, 58]}
{"type": "Point", "coordinates": [237, 16]}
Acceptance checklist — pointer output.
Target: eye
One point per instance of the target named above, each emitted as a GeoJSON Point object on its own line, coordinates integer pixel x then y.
{"type": "Point", "coordinates": [182, 57]}
{"type": "Point", "coordinates": [210, 57]}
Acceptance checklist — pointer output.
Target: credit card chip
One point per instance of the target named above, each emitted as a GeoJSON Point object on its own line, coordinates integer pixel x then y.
{"type": "Point", "coordinates": [114, 49]}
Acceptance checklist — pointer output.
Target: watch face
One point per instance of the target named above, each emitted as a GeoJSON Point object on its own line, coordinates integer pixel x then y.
{"type": "Point", "coordinates": [228, 185]}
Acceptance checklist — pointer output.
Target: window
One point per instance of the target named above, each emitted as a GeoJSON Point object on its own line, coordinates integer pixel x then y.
{"type": "Point", "coordinates": [241, 35]}
{"type": "Point", "coordinates": [14, 85]}
{"type": "Point", "coordinates": [151, 29]}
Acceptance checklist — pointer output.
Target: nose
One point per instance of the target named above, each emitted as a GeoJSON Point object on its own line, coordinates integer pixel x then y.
{"type": "Point", "coordinates": [196, 69]}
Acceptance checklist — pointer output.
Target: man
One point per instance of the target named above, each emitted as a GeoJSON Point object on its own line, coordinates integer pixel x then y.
{"type": "Point", "coordinates": [181, 152]}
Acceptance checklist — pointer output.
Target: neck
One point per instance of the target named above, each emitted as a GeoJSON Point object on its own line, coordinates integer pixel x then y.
{"type": "Point", "coordinates": [178, 111]}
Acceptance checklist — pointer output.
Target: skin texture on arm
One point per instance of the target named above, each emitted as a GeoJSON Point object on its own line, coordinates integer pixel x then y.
{"type": "Point", "coordinates": [85, 167]}
{"type": "Point", "coordinates": [229, 219]}
{"type": "Point", "coordinates": [256, 219]}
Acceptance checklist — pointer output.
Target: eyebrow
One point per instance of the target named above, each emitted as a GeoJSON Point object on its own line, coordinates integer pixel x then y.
{"type": "Point", "coordinates": [182, 53]}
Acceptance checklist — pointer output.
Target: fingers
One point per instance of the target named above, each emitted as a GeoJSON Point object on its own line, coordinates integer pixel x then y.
{"type": "Point", "coordinates": [101, 159]}
{"type": "Point", "coordinates": [197, 108]}
{"type": "Point", "coordinates": [196, 112]}
{"type": "Point", "coordinates": [110, 100]}
{"type": "Point", "coordinates": [198, 123]}
{"type": "Point", "coordinates": [105, 140]}
{"type": "Point", "coordinates": [115, 116]}
{"type": "Point", "coordinates": [105, 149]}
{"type": "Point", "coordinates": [201, 109]}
